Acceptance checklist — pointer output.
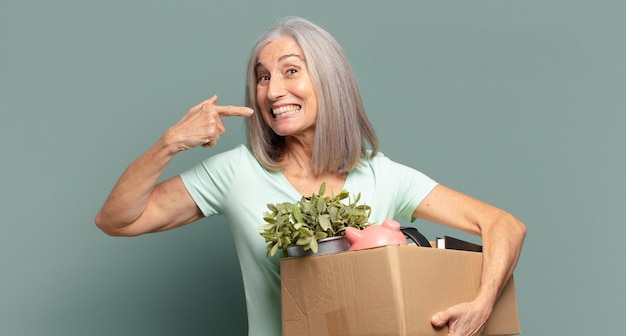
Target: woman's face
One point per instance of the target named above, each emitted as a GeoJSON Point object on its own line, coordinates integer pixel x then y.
{"type": "Point", "coordinates": [285, 92]}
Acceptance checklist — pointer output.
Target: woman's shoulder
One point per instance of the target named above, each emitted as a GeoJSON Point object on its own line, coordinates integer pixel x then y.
{"type": "Point", "coordinates": [385, 168]}
{"type": "Point", "coordinates": [378, 158]}
{"type": "Point", "coordinates": [379, 161]}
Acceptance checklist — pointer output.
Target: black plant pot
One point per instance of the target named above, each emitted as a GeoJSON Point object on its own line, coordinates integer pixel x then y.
{"type": "Point", "coordinates": [324, 246]}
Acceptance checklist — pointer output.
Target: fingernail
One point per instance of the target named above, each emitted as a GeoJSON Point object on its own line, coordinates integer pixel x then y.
{"type": "Point", "coordinates": [251, 111]}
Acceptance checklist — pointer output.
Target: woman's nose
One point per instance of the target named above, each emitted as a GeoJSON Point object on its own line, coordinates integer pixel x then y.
{"type": "Point", "coordinates": [276, 88]}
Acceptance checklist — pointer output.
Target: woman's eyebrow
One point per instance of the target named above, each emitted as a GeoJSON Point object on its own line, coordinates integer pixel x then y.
{"type": "Point", "coordinates": [282, 58]}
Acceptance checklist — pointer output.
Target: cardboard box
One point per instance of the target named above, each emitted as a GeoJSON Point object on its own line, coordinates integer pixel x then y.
{"type": "Point", "coordinates": [391, 290]}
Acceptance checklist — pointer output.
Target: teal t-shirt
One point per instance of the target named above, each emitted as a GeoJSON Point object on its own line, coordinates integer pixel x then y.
{"type": "Point", "coordinates": [236, 185]}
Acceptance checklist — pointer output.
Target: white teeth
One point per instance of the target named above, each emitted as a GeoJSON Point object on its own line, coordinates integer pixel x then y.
{"type": "Point", "coordinates": [285, 110]}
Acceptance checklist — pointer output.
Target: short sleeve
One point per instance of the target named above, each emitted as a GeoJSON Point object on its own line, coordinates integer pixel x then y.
{"type": "Point", "coordinates": [209, 182]}
{"type": "Point", "coordinates": [408, 186]}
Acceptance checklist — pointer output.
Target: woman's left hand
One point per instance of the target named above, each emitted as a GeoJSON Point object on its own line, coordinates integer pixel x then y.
{"type": "Point", "coordinates": [464, 319]}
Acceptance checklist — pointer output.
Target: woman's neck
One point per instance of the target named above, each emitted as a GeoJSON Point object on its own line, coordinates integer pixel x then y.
{"type": "Point", "coordinates": [298, 169]}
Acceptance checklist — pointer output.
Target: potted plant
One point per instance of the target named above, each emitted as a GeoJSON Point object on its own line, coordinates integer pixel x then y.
{"type": "Point", "coordinates": [301, 228]}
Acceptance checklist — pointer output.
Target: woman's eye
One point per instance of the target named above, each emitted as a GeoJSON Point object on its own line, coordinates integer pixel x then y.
{"type": "Point", "coordinates": [292, 71]}
{"type": "Point", "coordinates": [262, 78]}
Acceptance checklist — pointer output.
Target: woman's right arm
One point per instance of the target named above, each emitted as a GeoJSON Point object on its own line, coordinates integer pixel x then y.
{"type": "Point", "coordinates": [138, 203]}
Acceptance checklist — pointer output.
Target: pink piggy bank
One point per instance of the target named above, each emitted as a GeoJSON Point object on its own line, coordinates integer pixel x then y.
{"type": "Point", "coordinates": [387, 233]}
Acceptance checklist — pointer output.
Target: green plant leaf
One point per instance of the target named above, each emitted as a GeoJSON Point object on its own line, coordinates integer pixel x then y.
{"type": "Point", "coordinates": [324, 221]}
{"type": "Point", "coordinates": [332, 212]}
{"type": "Point", "coordinates": [309, 209]}
{"type": "Point", "coordinates": [268, 237]}
{"type": "Point", "coordinates": [321, 207]}
{"type": "Point", "coordinates": [284, 208]}
{"type": "Point", "coordinates": [270, 220]}
{"type": "Point", "coordinates": [313, 245]}
{"type": "Point", "coordinates": [295, 212]}
{"type": "Point", "coordinates": [267, 227]}
{"type": "Point", "coordinates": [305, 231]}
{"type": "Point", "coordinates": [304, 240]}
{"type": "Point", "coordinates": [321, 235]}
{"type": "Point", "coordinates": [295, 235]}
{"type": "Point", "coordinates": [343, 195]}
{"type": "Point", "coordinates": [273, 250]}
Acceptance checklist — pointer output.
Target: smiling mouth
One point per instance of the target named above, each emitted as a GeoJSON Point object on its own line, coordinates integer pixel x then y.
{"type": "Point", "coordinates": [285, 110]}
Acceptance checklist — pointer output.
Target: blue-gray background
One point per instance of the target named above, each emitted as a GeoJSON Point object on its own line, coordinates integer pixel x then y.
{"type": "Point", "coordinates": [519, 103]}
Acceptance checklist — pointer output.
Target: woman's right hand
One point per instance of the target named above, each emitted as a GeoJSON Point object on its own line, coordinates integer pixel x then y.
{"type": "Point", "coordinates": [202, 125]}
{"type": "Point", "coordinates": [138, 203]}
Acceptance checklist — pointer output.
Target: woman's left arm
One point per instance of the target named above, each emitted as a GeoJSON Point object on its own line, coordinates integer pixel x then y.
{"type": "Point", "coordinates": [502, 238]}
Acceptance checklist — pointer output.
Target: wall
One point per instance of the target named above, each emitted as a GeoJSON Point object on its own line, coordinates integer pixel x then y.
{"type": "Point", "coordinates": [519, 103]}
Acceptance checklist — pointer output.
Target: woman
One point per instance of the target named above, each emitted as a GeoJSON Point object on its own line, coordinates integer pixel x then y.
{"type": "Point", "coordinates": [307, 126]}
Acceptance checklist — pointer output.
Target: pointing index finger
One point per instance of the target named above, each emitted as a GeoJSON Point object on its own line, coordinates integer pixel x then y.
{"type": "Point", "coordinates": [231, 110]}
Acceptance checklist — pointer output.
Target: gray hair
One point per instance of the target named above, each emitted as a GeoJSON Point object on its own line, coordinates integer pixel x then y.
{"type": "Point", "coordinates": [342, 126]}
